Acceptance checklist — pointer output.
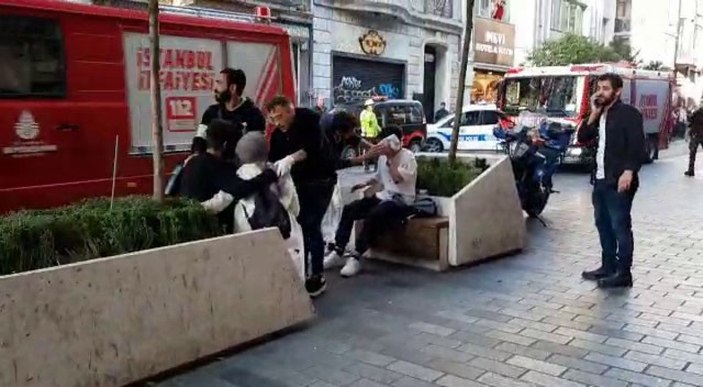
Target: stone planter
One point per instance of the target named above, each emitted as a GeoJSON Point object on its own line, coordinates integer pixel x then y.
{"type": "Point", "coordinates": [113, 321]}
{"type": "Point", "coordinates": [485, 219]}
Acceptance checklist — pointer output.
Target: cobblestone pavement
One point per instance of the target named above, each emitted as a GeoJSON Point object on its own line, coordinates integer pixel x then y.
{"type": "Point", "coordinates": [518, 321]}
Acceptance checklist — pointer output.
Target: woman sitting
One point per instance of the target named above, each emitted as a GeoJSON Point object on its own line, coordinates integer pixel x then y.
{"type": "Point", "coordinates": [275, 205]}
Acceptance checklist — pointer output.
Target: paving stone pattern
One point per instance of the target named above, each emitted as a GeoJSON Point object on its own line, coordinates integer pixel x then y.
{"type": "Point", "coordinates": [520, 321]}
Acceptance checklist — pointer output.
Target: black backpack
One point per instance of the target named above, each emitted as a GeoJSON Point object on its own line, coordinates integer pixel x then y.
{"type": "Point", "coordinates": [269, 212]}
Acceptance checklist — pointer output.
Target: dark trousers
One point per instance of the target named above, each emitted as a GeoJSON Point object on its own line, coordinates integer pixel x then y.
{"type": "Point", "coordinates": [614, 223]}
{"type": "Point", "coordinates": [693, 149]}
{"type": "Point", "coordinates": [379, 217]}
{"type": "Point", "coordinates": [314, 199]}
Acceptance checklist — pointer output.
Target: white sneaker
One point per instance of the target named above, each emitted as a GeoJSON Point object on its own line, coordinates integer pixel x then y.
{"type": "Point", "coordinates": [333, 259]}
{"type": "Point", "coordinates": [351, 268]}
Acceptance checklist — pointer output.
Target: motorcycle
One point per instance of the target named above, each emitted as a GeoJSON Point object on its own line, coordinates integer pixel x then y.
{"type": "Point", "coordinates": [535, 153]}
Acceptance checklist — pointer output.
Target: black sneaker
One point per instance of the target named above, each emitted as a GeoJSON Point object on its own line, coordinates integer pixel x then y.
{"type": "Point", "coordinates": [315, 285]}
{"type": "Point", "coordinates": [621, 279]}
{"type": "Point", "coordinates": [689, 173]}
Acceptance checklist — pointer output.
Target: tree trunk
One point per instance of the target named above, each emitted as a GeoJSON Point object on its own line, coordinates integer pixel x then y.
{"type": "Point", "coordinates": [462, 79]}
{"type": "Point", "coordinates": [157, 138]}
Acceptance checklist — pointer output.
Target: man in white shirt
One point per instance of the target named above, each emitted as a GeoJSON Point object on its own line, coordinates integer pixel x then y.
{"type": "Point", "coordinates": [397, 175]}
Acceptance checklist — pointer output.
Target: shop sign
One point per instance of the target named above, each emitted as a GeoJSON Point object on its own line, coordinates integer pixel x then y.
{"type": "Point", "coordinates": [494, 42]}
{"type": "Point", "coordinates": [372, 43]}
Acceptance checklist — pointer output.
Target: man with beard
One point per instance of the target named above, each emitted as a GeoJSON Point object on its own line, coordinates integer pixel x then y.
{"type": "Point", "coordinates": [233, 107]}
{"type": "Point", "coordinates": [619, 130]}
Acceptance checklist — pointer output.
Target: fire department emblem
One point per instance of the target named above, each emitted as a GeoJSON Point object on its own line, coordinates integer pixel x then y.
{"type": "Point", "coordinates": [26, 127]}
{"type": "Point", "coordinates": [372, 43]}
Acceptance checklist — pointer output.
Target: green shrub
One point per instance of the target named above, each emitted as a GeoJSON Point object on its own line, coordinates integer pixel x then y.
{"type": "Point", "coordinates": [32, 240]}
{"type": "Point", "coordinates": [440, 178]}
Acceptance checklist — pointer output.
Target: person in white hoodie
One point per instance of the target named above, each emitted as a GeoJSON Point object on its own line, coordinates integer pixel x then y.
{"type": "Point", "coordinates": [279, 199]}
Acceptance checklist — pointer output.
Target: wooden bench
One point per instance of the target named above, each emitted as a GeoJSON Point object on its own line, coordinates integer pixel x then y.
{"type": "Point", "coordinates": [423, 242]}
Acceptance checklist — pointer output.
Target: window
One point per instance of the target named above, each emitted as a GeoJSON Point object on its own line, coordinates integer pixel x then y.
{"type": "Point", "coordinates": [410, 114]}
{"type": "Point", "coordinates": [31, 57]}
{"type": "Point", "coordinates": [489, 117]}
{"type": "Point", "coordinates": [470, 118]}
{"type": "Point", "coordinates": [567, 16]}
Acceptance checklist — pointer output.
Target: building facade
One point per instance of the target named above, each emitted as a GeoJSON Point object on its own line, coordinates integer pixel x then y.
{"type": "Point", "coordinates": [549, 19]}
{"type": "Point", "coordinates": [400, 49]}
{"type": "Point", "coordinates": [672, 40]}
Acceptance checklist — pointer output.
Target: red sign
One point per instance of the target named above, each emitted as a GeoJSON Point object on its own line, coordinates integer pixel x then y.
{"type": "Point", "coordinates": [649, 106]}
{"type": "Point", "coordinates": [181, 114]}
{"type": "Point", "coordinates": [187, 70]}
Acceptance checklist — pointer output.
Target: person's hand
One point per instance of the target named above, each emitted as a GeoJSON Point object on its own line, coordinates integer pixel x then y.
{"type": "Point", "coordinates": [358, 187]}
{"type": "Point", "coordinates": [625, 181]}
{"type": "Point", "coordinates": [284, 165]}
{"type": "Point", "coordinates": [596, 109]}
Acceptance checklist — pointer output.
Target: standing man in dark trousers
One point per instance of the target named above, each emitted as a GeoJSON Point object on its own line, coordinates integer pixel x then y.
{"type": "Point", "coordinates": [299, 147]}
{"type": "Point", "coordinates": [619, 130]}
{"type": "Point", "coordinates": [695, 138]}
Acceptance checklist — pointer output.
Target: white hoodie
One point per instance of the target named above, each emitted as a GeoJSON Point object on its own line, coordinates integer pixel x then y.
{"type": "Point", "coordinates": [288, 197]}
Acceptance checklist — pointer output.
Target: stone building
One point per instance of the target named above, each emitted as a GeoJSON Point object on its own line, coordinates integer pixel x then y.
{"type": "Point", "coordinates": [407, 49]}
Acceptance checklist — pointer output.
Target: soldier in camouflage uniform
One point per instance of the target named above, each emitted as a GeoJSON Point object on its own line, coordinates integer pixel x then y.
{"type": "Point", "coordinates": [696, 139]}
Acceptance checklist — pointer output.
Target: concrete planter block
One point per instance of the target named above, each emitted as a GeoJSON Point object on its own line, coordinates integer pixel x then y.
{"type": "Point", "coordinates": [485, 217]}
{"type": "Point", "coordinates": [112, 321]}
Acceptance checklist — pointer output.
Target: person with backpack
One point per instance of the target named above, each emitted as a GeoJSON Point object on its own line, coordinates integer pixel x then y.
{"type": "Point", "coordinates": [386, 210]}
{"type": "Point", "coordinates": [275, 205]}
{"type": "Point", "coordinates": [212, 181]}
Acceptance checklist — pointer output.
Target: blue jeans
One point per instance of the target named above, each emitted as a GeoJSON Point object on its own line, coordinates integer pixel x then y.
{"type": "Point", "coordinates": [614, 223]}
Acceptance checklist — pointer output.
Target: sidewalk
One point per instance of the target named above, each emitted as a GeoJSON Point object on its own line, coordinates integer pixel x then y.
{"type": "Point", "coordinates": [519, 321]}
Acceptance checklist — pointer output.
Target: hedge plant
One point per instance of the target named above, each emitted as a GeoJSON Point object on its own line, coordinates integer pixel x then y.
{"type": "Point", "coordinates": [440, 178]}
{"type": "Point", "coordinates": [37, 239]}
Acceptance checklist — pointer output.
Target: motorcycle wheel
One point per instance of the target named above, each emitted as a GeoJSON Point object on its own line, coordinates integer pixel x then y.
{"type": "Point", "coordinates": [538, 202]}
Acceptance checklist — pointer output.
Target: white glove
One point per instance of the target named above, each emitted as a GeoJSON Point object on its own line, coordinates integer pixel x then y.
{"type": "Point", "coordinates": [284, 165]}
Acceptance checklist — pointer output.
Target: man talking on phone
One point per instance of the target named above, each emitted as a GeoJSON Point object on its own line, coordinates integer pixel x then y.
{"type": "Point", "coordinates": [617, 127]}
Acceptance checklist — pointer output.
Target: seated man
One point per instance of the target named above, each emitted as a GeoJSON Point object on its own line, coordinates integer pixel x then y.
{"type": "Point", "coordinates": [211, 180]}
{"type": "Point", "coordinates": [387, 209]}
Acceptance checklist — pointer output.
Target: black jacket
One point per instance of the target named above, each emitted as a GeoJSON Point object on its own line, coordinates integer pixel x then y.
{"type": "Point", "coordinates": [305, 133]}
{"type": "Point", "coordinates": [624, 141]}
{"type": "Point", "coordinates": [245, 118]}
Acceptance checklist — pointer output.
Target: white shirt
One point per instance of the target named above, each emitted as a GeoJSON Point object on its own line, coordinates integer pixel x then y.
{"type": "Point", "coordinates": [407, 167]}
{"type": "Point", "coordinates": [600, 154]}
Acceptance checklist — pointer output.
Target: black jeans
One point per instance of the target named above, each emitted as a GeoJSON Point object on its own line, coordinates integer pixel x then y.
{"type": "Point", "coordinates": [614, 223]}
{"type": "Point", "coordinates": [693, 145]}
{"type": "Point", "coordinates": [314, 198]}
{"type": "Point", "coordinates": [379, 217]}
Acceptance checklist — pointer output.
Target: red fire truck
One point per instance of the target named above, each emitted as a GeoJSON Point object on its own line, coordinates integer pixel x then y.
{"type": "Point", "coordinates": [563, 94]}
{"type": "Point", "coordinates": [74, 82]}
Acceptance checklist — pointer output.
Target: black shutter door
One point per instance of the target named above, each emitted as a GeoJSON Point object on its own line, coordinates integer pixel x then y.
{"type": "Point", "coordinates": [356, 80]}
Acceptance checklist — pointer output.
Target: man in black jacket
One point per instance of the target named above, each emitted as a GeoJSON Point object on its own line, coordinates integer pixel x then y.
{"type": "Point", "coordinates": [619, 130]}
{"type": "Point", "coordinates": [233, 107]}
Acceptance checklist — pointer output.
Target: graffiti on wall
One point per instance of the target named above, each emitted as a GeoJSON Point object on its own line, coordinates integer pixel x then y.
{"type": "Point", "coordinates": [351, 89]}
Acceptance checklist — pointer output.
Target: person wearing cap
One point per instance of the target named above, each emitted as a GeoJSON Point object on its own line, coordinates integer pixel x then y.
{"type": "Point", "coordinates": [387, 209]}
{"type": "Point", "coordinates": [234, 107]}
{"type": "Point", "coordinates": [370, 130]}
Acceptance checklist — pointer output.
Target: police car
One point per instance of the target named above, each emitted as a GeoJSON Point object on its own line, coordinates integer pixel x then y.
{"type": "Point", "coordinates": [475, 132]}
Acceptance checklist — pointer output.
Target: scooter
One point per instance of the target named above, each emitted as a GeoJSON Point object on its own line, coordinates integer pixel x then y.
{"type": "Point", "coordinates": [535, 158]}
